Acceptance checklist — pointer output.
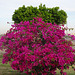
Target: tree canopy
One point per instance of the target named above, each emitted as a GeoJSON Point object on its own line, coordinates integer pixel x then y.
{"type": "Point", "coordinates": [50, 15]}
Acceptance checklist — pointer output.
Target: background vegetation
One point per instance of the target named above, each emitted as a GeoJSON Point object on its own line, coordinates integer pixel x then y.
{"type": "Point", "coordinates": [50, 15]}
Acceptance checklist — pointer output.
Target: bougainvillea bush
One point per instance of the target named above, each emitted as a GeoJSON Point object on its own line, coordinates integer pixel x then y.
{"type": "Point", "coordinates": [37, 48]}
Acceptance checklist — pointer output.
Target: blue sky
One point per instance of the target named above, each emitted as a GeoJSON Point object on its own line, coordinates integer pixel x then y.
{"type": "Point", "coordinates": [7, 8]}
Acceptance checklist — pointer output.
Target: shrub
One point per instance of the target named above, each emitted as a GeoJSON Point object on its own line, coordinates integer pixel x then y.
{"type": "Point", "coordinates": [37, 48]}
{"type": "Point", "coordinates": [49, 15]}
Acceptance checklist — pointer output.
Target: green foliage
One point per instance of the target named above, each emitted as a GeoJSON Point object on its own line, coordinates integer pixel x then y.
{"type": "Point", "coordinates": [47, 14]}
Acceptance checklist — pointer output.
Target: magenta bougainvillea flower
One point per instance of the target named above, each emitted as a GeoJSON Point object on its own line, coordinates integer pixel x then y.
{"type": "Point", "coordinates": [37, 48]}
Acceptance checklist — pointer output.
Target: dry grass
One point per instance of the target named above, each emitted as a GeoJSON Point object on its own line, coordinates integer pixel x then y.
{"type": "Point", "coordinates": [5, 69]}
{"type": "Point", "coordinates": [70, 71]}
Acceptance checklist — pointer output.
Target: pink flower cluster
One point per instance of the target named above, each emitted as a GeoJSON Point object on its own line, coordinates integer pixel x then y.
{"type": "Point", "coordinates": [37, 48]}
{"type": "Point", "coordinates": [71, 36]}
